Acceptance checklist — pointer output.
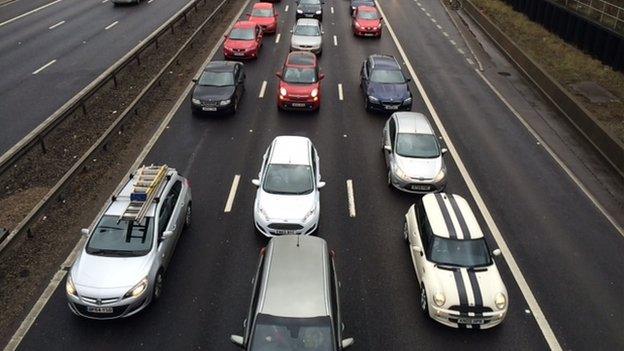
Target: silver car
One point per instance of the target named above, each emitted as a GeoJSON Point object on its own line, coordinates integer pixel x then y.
{"type": "Point", "coordinates": [120, 270]}
{"type": "Point", "coordinates": [295, 303]}
{"type": "Point", "coordinates": [413, 154]}
{"type": "Point", "coordinates": [307, 35]}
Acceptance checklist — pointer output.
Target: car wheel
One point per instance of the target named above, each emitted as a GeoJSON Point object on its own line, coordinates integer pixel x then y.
{"type": "Point", "coordinates": [158, 286]}
{"type": "Point", "coordinates": [389, 179]}
{"type": "Point", "coordinates": [423, 301]}
{"type": "Point", "coordinates": [366, 105]}
{"type": "Point", "coordinates": [405, 232]}
{"type": "Point", "coordinates": [187, 216]}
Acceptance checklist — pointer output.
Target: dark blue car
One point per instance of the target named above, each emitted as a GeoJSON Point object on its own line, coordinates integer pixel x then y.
{"type": "Point", "coordinates": [385, 87]}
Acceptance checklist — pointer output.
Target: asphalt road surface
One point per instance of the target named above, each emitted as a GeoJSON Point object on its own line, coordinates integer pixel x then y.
{"type": "Point", "coordinates": [568, 252]}
{"type": "Point", "coordinates": [48, 56]}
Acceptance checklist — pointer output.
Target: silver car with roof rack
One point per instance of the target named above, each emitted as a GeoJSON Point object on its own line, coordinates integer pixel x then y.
{"type": "Point", "coordinates": [121, 268]}
{"type": "Point", "coordinates": [295, 303]}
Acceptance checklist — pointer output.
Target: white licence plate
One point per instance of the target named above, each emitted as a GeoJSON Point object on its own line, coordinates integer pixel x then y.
{"type": "Point", "coordinates": [298, 104]}
{"type": "Point", "coordinates": [284, 231]}
{"type": "Point", "coordinates": [470, 321]}
{"type": "Point", "coordinates": [420, 187]}
{"type": "Point", "coordinates": [368, 34]}
{"type": "Point", "coordinates": [93, 309]}
{"type": "Point", "coordinates": [239, 54]}
{"type": "Point", "coordinates": [391, 107]}
{"type": "Point", "coordinates": [309, 15]}
{"type": "Point", "coordinates": [209, 108]}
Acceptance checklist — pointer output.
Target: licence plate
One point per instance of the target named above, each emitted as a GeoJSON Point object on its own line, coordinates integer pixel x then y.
{"type": "Point", "coordinates": [239, 54]}
{"type": "Point", "coordinates": [93, 309]}
{"type": "Point", "coordinates": [284, 231]}
{"type": "Point", "coordinates": [470, 321]}
{"type": "Point", "coordinates": [298, 104]}
{"type": "Point", "coordinates": [209, 108]}
{"type": "Point", "coordinates": [309, 15]}
{"type": "Point", "coordinates": [391, 107]}
{"type": "Point", "coordinates": [368, 34]}
{"type": "Point", "coordinates": [420, 187]}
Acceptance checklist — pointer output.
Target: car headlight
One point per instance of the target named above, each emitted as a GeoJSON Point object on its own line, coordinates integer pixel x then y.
{"type": "Point", "coordinates": [309, 213]}
{"type": "Point", "coordinates": [138, 289]}
{"type": "Point", "coordinates": [500, 301]}
{"type": "Point", "coordinates": [399, 173]}
{"type": "Point", "coordinates": [440, 176]}
{"type": "Point", "coordinates": [439, 299]}
{"type": "Point", "coordinates": [196, 101]}
{"type": "Point", "coordinates": [357, 25]}
{"type": "Point", "coordinates": [283, 92]}
{"type": "Point", "coordinates": [224, 102]}
{"type": "Point", "coordinates": [373, 99]}
{"type": "Point", "coordinates": [299, 11]}
{"type": "Point", "coordinates": [69, 286]}
{"type": "Point", "coordinates": [407, 101]}
{"type": "Point", "coordinates": [314, 92]}
{"type": "Point", "coordinates": [263, 213]}
{"type": "Point", "coordinates": [318, 12]}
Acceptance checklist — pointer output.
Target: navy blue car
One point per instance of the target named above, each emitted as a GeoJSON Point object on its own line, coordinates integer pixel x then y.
{"type": "Point", "coordinates": [385, 87]}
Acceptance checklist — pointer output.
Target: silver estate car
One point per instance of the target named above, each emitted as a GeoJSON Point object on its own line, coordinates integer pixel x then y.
{"type": "Point", "coordinates": [120, 270]}
{"type": "Point", "coordinates": [307, 35]}
{"type": "Point", "coordinates": [413, 154]}
{"type": "Point", "coordinates": [295, 304]}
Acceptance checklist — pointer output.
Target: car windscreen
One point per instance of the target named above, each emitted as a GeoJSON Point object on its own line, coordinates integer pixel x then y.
{"type": "Point", "coordinates": [262, 13]}
{"type": "Point", "coordinates": [393, 76]}
{"type": "Point", "coordinates": [114, 237]}
{"type": "Point", "coordinates": [288, 179]}
{"type": "Point", "coordinates": [417, 145]}
{"type": "Point", "coordinates": [309, 2]}
{"type": "Point", "coordinates": [307, 30]}
{"type": "Point", "coordinates": [242, 34]}
{"type": "Point", "coordinates": [216, 79]}
{"type": "Point", "coordinates": [298, 75]}
{"type": "Point", "coordinates": [368, 15]}
{"type": "Point", "coordinates": [461, 253]}
{"type": "Point", "coordinates": [292, 334]}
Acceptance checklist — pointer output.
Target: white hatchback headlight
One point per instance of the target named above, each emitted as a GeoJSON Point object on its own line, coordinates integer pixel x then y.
{"type": "Point", "coordinates": [500, 301]}
{"type": "Point", "coordinates": [299, 11]}
{"type": "Point", "coordinates": [196, 101]}
{"type": "Point", "coordinates": [69, 286]}
{"type": "Point", "coordinates": [399, 173]}
{"type": "Point", "coordinates": [318, 12]}
{"type": "Point", "coordinates": [224, 102]}
{"type": "Point", "coordinates": [440, 176]}
{"type": "Point", "coordinates": [439, 299]}
{"type": "Point", "coordinates": [138, 289]}
{"type": "Point", "coordinates": [309, 213]}
{"type": "Point", "coordinates": [263, 214]}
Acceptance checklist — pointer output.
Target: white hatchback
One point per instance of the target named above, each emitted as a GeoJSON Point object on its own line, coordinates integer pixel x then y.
{"type": "Point", "coordinates": [287, 199]}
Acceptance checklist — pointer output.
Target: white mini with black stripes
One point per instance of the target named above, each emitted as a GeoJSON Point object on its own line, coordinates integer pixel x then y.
{"type": "Point", "coordinates": [460, 283]}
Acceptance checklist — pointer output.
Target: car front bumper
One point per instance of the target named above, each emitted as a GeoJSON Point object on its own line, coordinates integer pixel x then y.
{"type": "Point", "coordinates": [456, 319]}
{"type": "Point", "coordinates": [387, 106]}
{"type": "Point", "coordinates": [417, 186]}
{"type": "Point", "coordinates": [363, 32]}
{"type": "Point", "coordinates": [120, 309]}
{"type": "Point", "coordinates": [273, 228]}
{"type": "Point", "coordinates": [212, 109]}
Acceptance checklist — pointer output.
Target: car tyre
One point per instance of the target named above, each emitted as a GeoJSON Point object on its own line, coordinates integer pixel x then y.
{"type": "Point", "coordinates": [188, 216]}
{"type": "Point", "coordinates": [405, 232]}
{"type": "Point", "coordinates": [158, 285]}
{"type": "Point", "coordinates": [424, 305]}
{"type": "Point", "coordinates": [367, 105]}
{"type": "Point", "coordinates": [389, 179]}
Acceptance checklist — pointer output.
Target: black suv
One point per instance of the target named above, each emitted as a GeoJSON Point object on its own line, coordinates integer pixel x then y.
{"type": "Point", "coordinates": [385, 87]}
{"type": "Point", "coordinates": [219, 88]}
{"type": "Point", "coordinates": [310, 9]}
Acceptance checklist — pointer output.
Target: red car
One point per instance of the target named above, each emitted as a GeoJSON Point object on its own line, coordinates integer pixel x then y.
{"type": "Point", "coordinates": [264, 15]}
{"type": "Point", "coordinates": [243, 42]}
{"type": "Point", "coordinates": [367, 22]}
{"type": "Point", "coordinates": [299, 87]}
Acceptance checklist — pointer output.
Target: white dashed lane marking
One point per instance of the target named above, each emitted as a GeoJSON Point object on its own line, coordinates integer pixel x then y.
{"type": "Point", "coordinates": [453, 42]}
{"type": "Point", "coordinates": [335, 41]}
{"type": "Point", "coordinates": [28, 13]}
{"type": "Point", "coordinates": [461, 51]}
{"type": "Point", "coordinates": [470, 61]}
{"type": "Point", "coordinates": [44, 66]}
{"type": "Point", "coordinates": [262, 89]}
{"type": "Point", "coordinates": [111, 25]}
{"type": "Point", "coordinates": [445, 34]}
{"type": "Point", "coordinates": [232, 195]}
{"type": "Point", "coordinates": [340, 94]}
{"type": "Point", "coordinates": [286, 8]}
{"type": "Point", "coordinates": [56, 25]}
{"type": "Point", "coordinates": [277, 38]}
{"type": "Point", "coordinates": [351, 198]}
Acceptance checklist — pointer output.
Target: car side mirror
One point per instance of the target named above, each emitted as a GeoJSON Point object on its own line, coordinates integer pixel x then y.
{"type": "Point", "coordinates": [321, 185]}
{"type": "Point", "coordinates": [291, 30]}
{"type": "Point", "coordinates": [225, 36]}
{"type": "Point", "coordinates": [194, 80]}
{"type": "Point", "coordinates": [248, 14]}
{"type": "Point", "coordinates": [497, 252]}
{"type": "Point", "coordinates": [167, 234]}
{"type": "Point", "coordinates": [255, 182]}
{"type": "Point", "coordinates": [419, 250]}
{"type": "Point", "coordinates": [444, 150]}
{"type": "Point", "coordinates": [321, 76]}
{"type": "Point", "coordinates": [346, 343]}
{"type": "Point", "coordinates": [388, 148]}
{"type": "Point", "coordinates": [408, 79]}
{"type": "Point", "coordinates": [84, 231]}
{"type": "Point", "coordinates": [237, 340]}
{"type": "Point", "coordinates": [278, 74]}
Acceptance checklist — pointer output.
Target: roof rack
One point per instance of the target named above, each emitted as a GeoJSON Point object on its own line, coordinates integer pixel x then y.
{"type": "Point", "coordinates": [147, 184]}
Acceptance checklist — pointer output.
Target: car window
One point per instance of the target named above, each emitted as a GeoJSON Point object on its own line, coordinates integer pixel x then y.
{"type": "Point", "coordinates": [392, 131]}
{"type": "Point", "coordinates": [310, 2]}
{"type": "Point", "coordinates": [283, 333]}
{"type": "Point", "coordinates": [425, 232]}
{"type": "Point", "coordinates": [168, 205]}
{"type": "Point", "coordinates": [417, 145]}
{"type": "Point", "coordinates": [299, 75]}
{"type": "Point", "coordinates": [314, 165]}
{"type": "Point", "coordinates": [216, 79]}
{"type": "Point", "coordinates": [288, 179]}
{"type": "Point", "coordinates": [461, 253]}
{"type": "Point", "coordinates": [367, 15]}
{"type": "Point", "coordinates": [393, 76]}
{"type": "Point", "coordinates": [242, 34]}
{"type": "Point", "coordinates": [114, 237]}
{"type": "Point", "coordinates": [262, 13]}
{"type": "Point", "coordinates": [307, 30]}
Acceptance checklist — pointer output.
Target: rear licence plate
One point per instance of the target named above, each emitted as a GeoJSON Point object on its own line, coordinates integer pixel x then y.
{"type": "Point", "coordinates": [298, 104]}
{"type": "Point", "coordinates": [93, 309]}
{"type": "Point", "coordinates": [284, 231]}
{"type": "Point", "coordinates": [470, 321]}
{"type": "Point", "coordinates": [209, 108]}
{"type": "Point", "coordinates": [420, 187]}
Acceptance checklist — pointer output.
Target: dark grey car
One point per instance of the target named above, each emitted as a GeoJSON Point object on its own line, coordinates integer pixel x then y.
{"type": "Point", "coordinates": [219, 87]}
{"type": "Point", "coordinates": [310, 9]}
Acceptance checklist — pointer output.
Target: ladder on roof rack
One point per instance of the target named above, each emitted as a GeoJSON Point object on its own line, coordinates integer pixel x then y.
{"type": "Point", "coordinates": [148, 181]}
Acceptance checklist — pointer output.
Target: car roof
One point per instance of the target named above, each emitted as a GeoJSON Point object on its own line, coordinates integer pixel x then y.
{"type": "Point", "coordinates": [122, 199]}
{"type": "Point", "coordinates": [301, 58]}
{"type": "Point", "coordinates": [412, 122]}
{"type": "Point", "coordinates": [366, 8]}
{"type": "Point", "coordinates": [263, 5]}
{"type": "Point", "coordinates": [384, 61]}
{"type": "Point", "coordinates": [450, 216]}
{"type": "Point", "coordinates": [221, 66]}
{"type": "Point", "coordinates": [308, 22]}
{"type": "Point", "coordinates": [245, 24]}
{"type": "Point", "coordinates": [290, 150]}
{"type": "Point", "coordinates": [364, 1]}
{"type": "Point", "coordinates": [296, 278]}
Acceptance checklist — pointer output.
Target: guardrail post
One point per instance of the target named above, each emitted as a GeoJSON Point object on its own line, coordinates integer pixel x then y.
{"type": "Point", "coordinates": [604, 5]}
{"type": "Point", "coordinates": [84, 107]}
{"type": "Point", "coordinates": [172, 30]}
{"type": "Point", "coordinates": [42, 143]}
{"type": "Point", "coordinates": [138, 59]}
{"type": "Point", "coordinates": [115, 80]}
{"type": "Point", "coordinates": [29, 233]}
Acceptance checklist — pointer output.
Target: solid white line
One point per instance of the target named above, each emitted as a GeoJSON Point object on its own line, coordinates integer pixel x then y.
{"type": "Point", "coordinates": [350, 198]}
{"type": "Point", "coordinates": [286, 8]}
{"type": "Point", "coordinates": [28, 13]}
{"type": "Point", "coordinates": [54, 283]}
{"type": "Point", "coordinates": [565, 168]}
{"type": "Point", "coordinates": [56, 25]}
{"type": "Point", "coordinates": [461, 51]}
{"type": "Point", "coordinates": [232, 195]}
{"type": "Point", "coordinates": [445, 34]}
{"type": "Point", "coordinates": [44, 66]}
{"type": "Point", "coordinates": [332, 10]}
{"type": "Point", "coordinates": [262, 89]}
{"type": "Point", "coordinates": [539, 316]}
{"type": "Point", "coordinates": [277, 37]}
{"type": "Point", "coordinates": [340, 95]}
{"type": "Point", "coordinates": [335, 41]}
{"type": "Point", "coordinates": [111, 25]}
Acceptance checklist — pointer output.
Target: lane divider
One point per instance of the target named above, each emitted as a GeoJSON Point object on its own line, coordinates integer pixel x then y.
{"type": "Point", "coordinates": [56, 25]}
{"type": "Point", "coordinates": [340, 95]}
{"type": "Point", "coordinates": [44, 66]}
{"type": "Point", "coordinates": [277, 37]}
{"type": "Point", "coordinates": [262, 89]}
{"type": "Point", "coordinates": [232, 195]}
{"type": "Point", "coordinates": [351, 198]}
{"type": "Point", "coordinates": [29, 13]}
{"type": "Point", "coordinates": [286, 8]}
{"type": "Point", "coordinates": [111, 25]}
{"type": "Point", "coordinates": [335, 41]}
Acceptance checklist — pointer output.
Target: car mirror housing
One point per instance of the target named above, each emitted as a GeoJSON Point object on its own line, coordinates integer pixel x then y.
{"type": "Point", "coordinates": [497, 252]}
{"type": "Point", "coordinates": [194, 80]}
{"type": "Point", "coordinates": [321, 76]}
{"type": "Point", "coordinates": [408, 79]}
{"type": "Point", "coordinates": [444, 150]}
{"type": "Point", "coordinates": [167, 234]}
{"type": "Point", "coordinates": [388, 148]}
{"type": "Point", "coordinates": [237, 340]}
{"type": "Point", "coordinates": [84, 231]}
{"type": "Point", "coordinates": [255, 182]}
{"type": "Point", "coordinates": [321, 185]}
{"type": "Point", "coordinates": [346, 343]}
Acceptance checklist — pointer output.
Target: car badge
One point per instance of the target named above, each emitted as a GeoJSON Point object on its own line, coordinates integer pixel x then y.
{"type": "Point", "coordinates": [98, 301]}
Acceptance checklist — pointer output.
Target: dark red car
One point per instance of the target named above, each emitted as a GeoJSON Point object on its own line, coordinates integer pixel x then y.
{"type": "Point", "coordinates": [264, 15]}
{"type": "Point", "coordinates": [299, 87]}
{"type": "Point", "coordinates": [243, 42]}
{"type": "Point", "coordinates": [367, 22]}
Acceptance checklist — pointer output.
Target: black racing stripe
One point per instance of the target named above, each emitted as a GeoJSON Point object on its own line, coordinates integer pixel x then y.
{"type": "Point", "coordinates": [476, 289]}
{"type": "Point", "coordinates": [447, 217]}
{"type": "Point", "coordinates": [460, 217]}
{"type": "Point", "coordinates": [461, 288]}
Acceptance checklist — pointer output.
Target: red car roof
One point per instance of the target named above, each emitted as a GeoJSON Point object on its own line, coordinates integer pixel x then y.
{"type": "Point", "coordinates": [366, 8]}
{"type": "Point", "coordinates": [301, 59]}
{"type": "Point", "coordinates": [263, 5]}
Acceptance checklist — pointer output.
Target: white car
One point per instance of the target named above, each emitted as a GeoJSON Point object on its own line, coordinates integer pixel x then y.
{"type": "Point", "coordinates": [460, 283]}
{"type": "Point", "coordinates": [287, 200]}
